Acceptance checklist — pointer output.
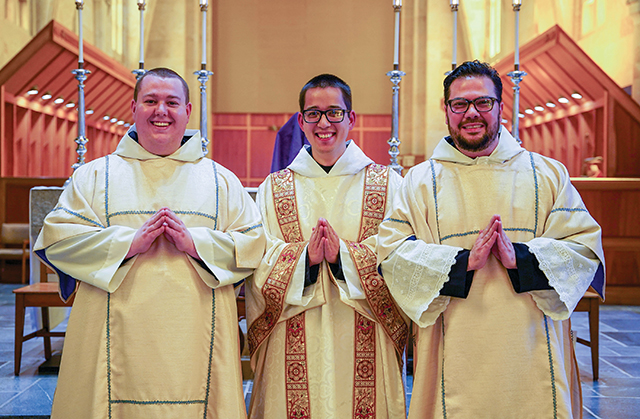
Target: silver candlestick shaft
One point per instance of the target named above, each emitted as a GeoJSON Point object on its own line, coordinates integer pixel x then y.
{"type": "Point", "coordinates": [81, 140]}
{"type": "Point", "coordinates": [396, 77]}
{"type": "Point", "coordinates": [203, 78]}
{"type": "Point", "coordinates": [516, 78]}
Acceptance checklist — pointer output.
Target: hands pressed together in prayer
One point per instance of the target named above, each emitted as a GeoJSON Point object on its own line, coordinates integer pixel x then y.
{"type": "Point", "coordinates": [324, 243]}
{"type": "Point", "coordinates": [492, 240]}
{"type": "Point", "coordinates": [167, 222]}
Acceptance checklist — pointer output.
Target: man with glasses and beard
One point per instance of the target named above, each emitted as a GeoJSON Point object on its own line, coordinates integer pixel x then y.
{"type": "Point", "coordinates": [488, 250]}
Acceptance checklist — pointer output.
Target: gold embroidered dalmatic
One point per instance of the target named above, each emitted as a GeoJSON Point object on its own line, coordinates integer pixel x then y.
{"type": "Point", "coordinates": [332, 349]}
{"type": "Point", "coordinates": [157, 335]}
{"type": "Point", "coordinates": [497, 353]}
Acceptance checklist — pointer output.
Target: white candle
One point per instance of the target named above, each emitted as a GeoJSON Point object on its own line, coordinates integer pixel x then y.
{"type": "Point", "coordinates": [516, 60]}
{"type": "Point", "coordinates": [203, 2]}
{"type": "Point", "coordinates": [396, 43]}
{"type": "Point", "coordinates": [455, 37]}
{"type": "Point", "coordinates": [397, 3]}
{"type": "Point", "coordinates": [204, 34]}
{"type": "Point", "coordinates": [79, 5]}
{"type": "Point", "coordinates": [141, 3]}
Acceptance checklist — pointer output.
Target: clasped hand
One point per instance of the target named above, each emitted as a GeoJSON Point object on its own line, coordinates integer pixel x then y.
{"type": "Point", "coordinates": [164, 222]}
{"type": "Point", "coordinates": [324, 243]}
{"type": "Point", "coordinates": [492, 240]}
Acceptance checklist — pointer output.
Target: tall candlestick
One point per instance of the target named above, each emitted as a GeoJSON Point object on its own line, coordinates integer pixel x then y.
{"type": "Point", "coordinates": [79, 7]}
{"type": "Point", "coordinates": [516, 77]}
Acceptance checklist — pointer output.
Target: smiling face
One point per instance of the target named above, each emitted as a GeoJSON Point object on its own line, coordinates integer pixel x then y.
{"type": "Point", "coordinates": [474, 133]}
{"type": "Point", "coordinates": [328, 140]}
{"type": "Point", "coordinates": [160, 114]}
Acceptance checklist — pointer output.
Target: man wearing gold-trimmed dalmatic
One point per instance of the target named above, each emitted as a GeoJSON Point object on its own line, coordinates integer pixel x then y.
{"type": "Point", "coordinates": [326, 338]}
{"type": "Point", "coordinates": [156, 235]}
{"type": "Point", "coordinates": [488, 250]}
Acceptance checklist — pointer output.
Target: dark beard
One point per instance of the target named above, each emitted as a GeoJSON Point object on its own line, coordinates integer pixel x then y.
{"type": "Point", "coordinates": [485, 141]}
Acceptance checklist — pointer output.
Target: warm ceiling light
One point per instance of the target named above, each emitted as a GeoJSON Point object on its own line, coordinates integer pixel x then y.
{"type": "Point", "coordinates": [58, 100]}
{"type": "Point", "coordinates": [539, 108]}
{"type": "Point", "coordinates": [33, 91]}
{"type": "Point", "coordinates": [576, 95]}
{"type": "Point", "coordinates": [504, 121]}
{"type": "Point", "coordinates": [563, 99]}
{"type": "Point", "coordinates": [47, 96]}
{"type": "Point", "coordinates": [127, 125]}
{"type": "Point", "coordinates": [70, 105]}
{"type": "Point", "coordinates": [120, 122]}
{"type": "Point", "coordinates": [520, 115]}
{"type": "Point", "coordinates": [113, 120]}
{"type": "Point", "coordinates": [528, 111]}
{"type": "Point", "coordinates": [550, 104]}
{"type": "Point", "coordinates": [89, 111]}
{"type": "Point", "coordinates": [106, 117]}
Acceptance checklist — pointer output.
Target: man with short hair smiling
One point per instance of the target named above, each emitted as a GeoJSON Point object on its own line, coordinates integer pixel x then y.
{"type": "Point", "coordinates": [325, 336]}
{"type": "Point", "coordinates": [157, 236]}
{"type": "Point", "coordinates": [488, 250]}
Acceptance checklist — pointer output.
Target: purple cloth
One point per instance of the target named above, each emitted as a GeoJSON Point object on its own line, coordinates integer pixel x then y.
{"type": "Point", "coordinates": [289, 141]}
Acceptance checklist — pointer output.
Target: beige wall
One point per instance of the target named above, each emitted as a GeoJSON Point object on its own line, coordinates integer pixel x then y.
{"type": "Point", "coordinates": [267, 50]}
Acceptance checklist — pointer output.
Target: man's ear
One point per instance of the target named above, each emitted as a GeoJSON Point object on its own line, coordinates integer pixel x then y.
{"type": "Point", "coordinates": [133, 107]}
{"type": "Point", "coordinates": [301, 121]}
{"type": "Point", "coordinates": [352, 119]}
{"type": "Point", "coordinates": [188, 109]}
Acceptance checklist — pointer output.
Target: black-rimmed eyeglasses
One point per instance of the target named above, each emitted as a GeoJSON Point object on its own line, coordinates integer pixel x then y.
{"type": "Point", "coordinates": [482, 104]}
{"type": "Point", "coordinates": [313, 116]}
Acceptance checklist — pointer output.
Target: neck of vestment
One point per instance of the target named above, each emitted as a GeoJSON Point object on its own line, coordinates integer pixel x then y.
{"type": "Point", "coordinates": [352, 161]}
{"type": "Point", "coordinates": [190, 151]}
{"type": "Point", "coordinates": [507, 149]}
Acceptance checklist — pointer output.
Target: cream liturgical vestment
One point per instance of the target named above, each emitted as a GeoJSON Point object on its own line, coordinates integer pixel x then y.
{"type": "Point", "coordinates": [155, 336]}
{"type": "Point", "coordinates": [330, 349]}
{"type": "Point", "coordinates": [495, 353]}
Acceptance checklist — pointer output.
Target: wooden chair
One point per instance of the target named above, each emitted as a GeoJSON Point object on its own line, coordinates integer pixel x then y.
{"type": "Point", "coordinates": [43, 294]}
{"type": "Point", "coordinates": [591, 304]}
{"type": "Point", "coordinates": [14, 245]}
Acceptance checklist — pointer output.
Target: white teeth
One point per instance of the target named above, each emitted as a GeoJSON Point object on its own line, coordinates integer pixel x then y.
{"type": "Point", "coordinates": [161, 124]}
{"type": "Point", "coordinates": [325, 136]}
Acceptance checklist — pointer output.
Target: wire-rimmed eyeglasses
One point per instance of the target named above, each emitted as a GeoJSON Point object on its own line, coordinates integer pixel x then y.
{"type": "Point", "coordinates": [482, 104]}
{"type": "Point", "coordinates": [313, 116]}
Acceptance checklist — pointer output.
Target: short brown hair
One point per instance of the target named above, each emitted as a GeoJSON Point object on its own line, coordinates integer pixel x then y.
{"type": "Point", "coordinates": [164, 73]}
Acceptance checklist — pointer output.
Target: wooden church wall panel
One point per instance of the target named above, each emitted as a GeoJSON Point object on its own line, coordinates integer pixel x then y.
{"type": "Point", "coordinates": [375, 146]}
{"type": "Point", "coordinates": [262, 143]}
{"type": "Point", "coordinates": [627, 133]}
{"type": "Point", "coordinates": [6, 148]}
{"type": "Point", "coordinates": [229, 119]}
{"type": "Point", "coordinates": [230, 149]}
{"type": "Point", "coordinates": [23, 117]}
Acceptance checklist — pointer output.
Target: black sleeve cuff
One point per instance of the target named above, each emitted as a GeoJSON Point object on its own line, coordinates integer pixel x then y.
{"type": "Point", "coordinates": [528, 276]}
{"type": "Point", "coordinates": [311, 272]}
{"type": "Point", "coordinates": [336, 269]}
{"type": "Point", "coordinates": [460, 279]}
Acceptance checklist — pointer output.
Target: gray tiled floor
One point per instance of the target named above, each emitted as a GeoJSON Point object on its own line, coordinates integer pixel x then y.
{"type": "Point", "coordinates": [616, 395]}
